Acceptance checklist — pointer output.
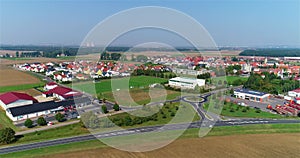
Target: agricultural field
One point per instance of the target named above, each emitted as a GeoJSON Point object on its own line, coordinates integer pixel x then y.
{"type": "Point", "coordinates": [105, 85]}
{"type": "Point", "coordinates": [140, 96]}
{"type": "Point", "coordinates": [11, 77]}
{"type": "Point", "coordinates": [245, 141]}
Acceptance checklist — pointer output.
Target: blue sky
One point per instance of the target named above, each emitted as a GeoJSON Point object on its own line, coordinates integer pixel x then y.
{"type": "Point", "coordinates": [230, 22]}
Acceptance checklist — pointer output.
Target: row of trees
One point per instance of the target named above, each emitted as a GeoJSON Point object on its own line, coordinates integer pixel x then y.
{"type": "Point", "coordinates": [41, 121]}
{"type": "Point", "coordinates": [270, 83]}
{"type": "Point", "coordinates": [110, 56]}
{"type": "Point", "coordinates": [230, 69]}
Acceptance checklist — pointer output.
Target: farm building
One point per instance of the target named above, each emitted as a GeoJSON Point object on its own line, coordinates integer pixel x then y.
{"type": "Point", "coordinates": [45, 108]}
{"type": "Point", "coordinates": [62, 93]}
{"type": "Point", "coordinates": [15, 99]}
{"type": "Point", "coordinates": [294, 93]}
{"type": "Point", "coordinates": [251, 95]}
{"type": "Point", "coordinates": [183, 82]}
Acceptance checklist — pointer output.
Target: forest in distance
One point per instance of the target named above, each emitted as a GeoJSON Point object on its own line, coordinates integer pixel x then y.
{"type": "Point", "coordinates": [272, 52]}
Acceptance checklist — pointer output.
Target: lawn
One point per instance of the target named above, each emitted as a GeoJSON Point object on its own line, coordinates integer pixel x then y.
{"type": "Point", "coordinates": [189, 133]}
{"type": "Point", "coordinates": [230, 79]}
{"type": "Point", "coordinates": [140, 96]}
{"type": "Point", "coordinates": [20, 87]}
{"type": "Point", "coordinates": [66, 58]}
{"type": "Point", "coordinates": [121, 83]}
{"type": "Point", "coordinates": [60, 132]}
{"type": "Point", "coordinates": [6, 122]}
{"type": "Point", "coordinates": [234, 110]}
{"type": "Point", "coordinates": [169, 113]}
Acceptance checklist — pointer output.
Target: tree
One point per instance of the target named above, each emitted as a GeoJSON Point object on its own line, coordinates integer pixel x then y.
{"type": "Point", "coordinates": [59, 117]}
{"type": "Point", "coordinates": [128, 121]}
{"type": "Point", "coordinates": [7, 135]}
{"type": "Point", "coordinates": [231, 91]}
{"type": "Point", "coordinates": [116, 107]}
{"type": "Point", "coordinates": [90, 120]}
{"type": "Point", "coordinates": [104, 109]}
{"type": "Point", "coordinates": [17, 54]}
{"type": "Point", "coordinates": [41, 121]}
{"type": "Point", "coordinates": [28, 123]}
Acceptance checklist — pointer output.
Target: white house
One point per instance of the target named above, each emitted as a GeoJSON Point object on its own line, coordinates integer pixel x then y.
{"type": "Point", "coordinates": [183, 82]}
{"type": "Point", "coordinates": [50, 86]}
{"type": "Point", "coordinates": [294, 93]}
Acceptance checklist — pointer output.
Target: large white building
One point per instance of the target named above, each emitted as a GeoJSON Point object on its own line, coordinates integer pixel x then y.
{"type": "Point", "coordinates": [294, 93]}
{"type": "Point", "coordinates": [188, 83]}
{"type": "Point", "coordinates": [251, 95]}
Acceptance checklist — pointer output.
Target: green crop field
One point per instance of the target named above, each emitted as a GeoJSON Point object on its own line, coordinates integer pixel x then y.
{"type": "Point", "coordinates": [121, 83]}
{"type": "Point", "coordinates": [20, 87]}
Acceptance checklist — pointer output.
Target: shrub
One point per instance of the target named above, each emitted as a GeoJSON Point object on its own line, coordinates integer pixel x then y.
{"type": "Point", "coordinates": [60, 117]}
{"type": "Point", "coordinates": [7, 135]}
{"type": "Point", "coordinates": [244, 110]}
{"type": "Point", "coordinates": [28, 123]}
{"type": "Point", "coordinates": [116, 107]}
{"type": "Point", "coordinates": [231, 110]}
{"type": "Point", "coordinates": [128, 121]}
{"type": "Point", "coordinates": [257, 110]}
{"type": "Point", "coordinates": [172, 114]}
{"type": "Point", "coordinates": [41, 121]}
{"type": "Point", "coordinates": [104, 109]}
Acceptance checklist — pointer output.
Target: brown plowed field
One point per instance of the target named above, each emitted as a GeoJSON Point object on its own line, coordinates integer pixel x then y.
{"type": "Point", "coordinates": [235, 146]}
{"type": "Point", "coordinates": [10, 77]}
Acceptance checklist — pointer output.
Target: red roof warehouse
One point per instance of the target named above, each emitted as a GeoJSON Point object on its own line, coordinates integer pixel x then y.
{"type": "Point", "coordinates": [63, 92]}
{"type": "Point", "coordinates": [16, 98]}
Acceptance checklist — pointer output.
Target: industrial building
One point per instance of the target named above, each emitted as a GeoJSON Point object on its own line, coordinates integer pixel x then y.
{"type": "Point", "coordinates": [188, 83]}
{"type": "Point", "coordinates": [251, 95]}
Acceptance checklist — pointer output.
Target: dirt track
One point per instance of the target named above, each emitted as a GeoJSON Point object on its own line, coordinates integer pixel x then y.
{"type": "Point", "coordinates": [259, 145]}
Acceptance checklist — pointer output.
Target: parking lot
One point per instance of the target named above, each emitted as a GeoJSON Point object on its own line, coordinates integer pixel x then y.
{"type": "Point", "coordinates": [261, 105]}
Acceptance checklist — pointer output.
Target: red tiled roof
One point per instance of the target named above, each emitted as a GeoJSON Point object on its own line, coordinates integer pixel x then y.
{"type": "Point", "coordinates": [11, 97]}
{"type": "Point", "coordinates": [51, 83]}
{"type": "Point", "coordinates": [297, 90]}
{"type": "Point", "coordinates": [64, 92]}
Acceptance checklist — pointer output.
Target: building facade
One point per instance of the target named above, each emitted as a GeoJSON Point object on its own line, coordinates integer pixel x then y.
{"type": "Point", "coordinates": [188, 83]}
{"type": "Point", "coordinates": [251, 95]}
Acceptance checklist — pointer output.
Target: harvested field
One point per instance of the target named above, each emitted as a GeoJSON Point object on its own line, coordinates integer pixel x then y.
{"type": "Point", "coordinates": [29, 60]}
{"type": "Point", "coordinates": [11, 77]}
{"type": "Point", "coordinates": [235, 146]}
{"type": "Point", "coordinates": [32, 92]}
